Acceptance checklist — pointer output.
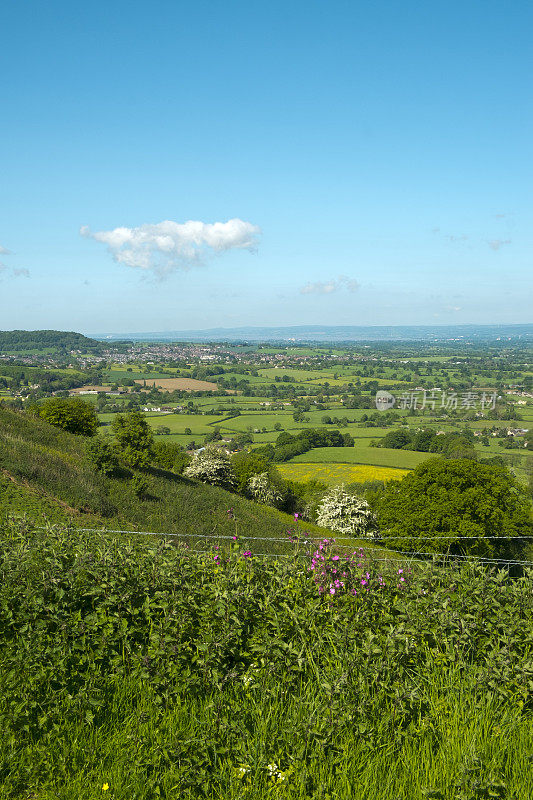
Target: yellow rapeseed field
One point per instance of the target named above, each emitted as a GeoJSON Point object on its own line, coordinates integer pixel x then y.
{"type": "Point", "coordinates": [334, 474]}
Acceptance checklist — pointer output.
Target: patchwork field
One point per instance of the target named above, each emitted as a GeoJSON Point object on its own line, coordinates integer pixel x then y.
{"type": "Point", "coordinates": [334, 474]}
{"type": "Point", "coordinates": [188, 384]}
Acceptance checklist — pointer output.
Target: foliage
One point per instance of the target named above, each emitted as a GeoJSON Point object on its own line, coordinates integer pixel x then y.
{"type": "Point", "coordinates": [451, 445]}
{"type": "Point", "coordinates": [134, 438]}
{"type": "Point", "coordinates": [211, 465]}
{"type": "Point", "coordinates": [346, 513]}
{"type": "Point", "coordinates": [134, 668]}
{"type": "Point", "coordinates": [245, 465]}
{"type": "Point", "coordinates": [170, 455]}
{"type": "Point", "coordinates": [102, 455]}
{"type": "Point", "coordinates": [465, 501]}
{"type": "Point", "coordinates": [43, 340]}
{"type": "Point", "coordinates": [70, 413]}
{"type": "Point", "coordinates": [139, 484]}
{"type": "Point", "coordinates": [288, 446]}
{"type": "Point", "coordinates": [262, 489]}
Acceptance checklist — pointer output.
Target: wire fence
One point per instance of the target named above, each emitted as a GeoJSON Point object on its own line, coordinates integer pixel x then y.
{"type": "Point", "coordinates": [297, 541]}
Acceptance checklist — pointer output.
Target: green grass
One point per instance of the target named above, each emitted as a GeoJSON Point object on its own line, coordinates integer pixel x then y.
{"type": "Point", "coordinates": [133, 671]}
{"type": "Point", "coordinates": [50, 465]}
{"type": "Point", "coordinates": [379, 456]}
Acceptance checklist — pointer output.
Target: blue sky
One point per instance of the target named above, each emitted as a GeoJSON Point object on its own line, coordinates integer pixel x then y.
{"type": "Point", "coordinates": [376, 155]}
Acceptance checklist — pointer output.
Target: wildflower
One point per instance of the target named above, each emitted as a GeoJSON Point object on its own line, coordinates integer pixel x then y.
{"type": "Point", "coordinates": [275, 772]}
{"type": "Point", "coordinates": [335, 558]}
{"type": "Point", "coordinates": [247, 554]}
{"type": "Point", "coordinates": [332, 590]}
{"type": "Point", "coordinates": [234, 538]}
{"type": "Point", "coordinates": [105, 787]}
{"type": "Point", "coordinates": [243, 770]}
{"type": "Point", "coordinates": [296, 516]}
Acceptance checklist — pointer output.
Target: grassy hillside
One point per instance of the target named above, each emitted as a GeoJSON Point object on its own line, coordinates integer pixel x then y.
{"type": "Point", "coordinates": [44, 473]}
{"type": "Point", "coordinates": [131, 670]}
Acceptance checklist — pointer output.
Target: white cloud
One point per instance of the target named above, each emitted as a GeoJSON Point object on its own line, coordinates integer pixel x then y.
{"type": "Point", "coordinates": [495, 244]}
{"type": "Point", "coordinates": [166, 246]}
{"type": "Point", "coordinates": [16, 271]}
{"type": "Point", "coordinates": [333, 285]}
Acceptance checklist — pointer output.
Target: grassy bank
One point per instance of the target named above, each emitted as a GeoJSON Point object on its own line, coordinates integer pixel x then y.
{"type": "Point", "coordinates": [45, 474]}
{"type": "Point", "coordinates": [131, 669]}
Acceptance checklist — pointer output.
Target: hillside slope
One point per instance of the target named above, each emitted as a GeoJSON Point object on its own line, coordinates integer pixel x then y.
{"type": "Point", "coordinates": [45, 475]}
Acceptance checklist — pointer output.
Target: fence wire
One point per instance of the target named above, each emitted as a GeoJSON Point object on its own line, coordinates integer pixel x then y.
{"type": "Point", "coordinates": [312, 544]}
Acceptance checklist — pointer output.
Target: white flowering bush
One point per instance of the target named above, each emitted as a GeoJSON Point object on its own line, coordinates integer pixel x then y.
{"type": "Point", "coordinates": [346, 513]}
{"type": "Point", "coordinates": [213, 466]}
{"type": "Point", "coordinates": [263, 490]}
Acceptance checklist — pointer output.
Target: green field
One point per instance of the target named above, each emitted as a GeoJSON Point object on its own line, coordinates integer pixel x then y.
{"type": "Point", "coordinates": [378, 456]}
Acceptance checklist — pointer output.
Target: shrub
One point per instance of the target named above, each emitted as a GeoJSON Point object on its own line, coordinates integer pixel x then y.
{"type": "Point", "coordinates": [213, 466]}
{"type": "Point", "coordinates": [245, 465]}
{"type": "Point", "coordinates": [346, 513]}
{"type": "Point", "coordinates": [102, 455]}
{"type": "Point", "coordinates": [70, 413]}
{"type": "Point", "coordinates": [134, 438]}
{"type": "Point", "coordinates": [263, 490]}
{"type": "Point", "coordinates": [139, 486]}
{"type": "Point", "coordinates": [171, 456]}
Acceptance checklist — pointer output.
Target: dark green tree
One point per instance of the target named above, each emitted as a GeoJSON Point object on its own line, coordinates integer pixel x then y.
{"type": "Point", "coordinates": [459, 499]}
{"type": "Point", "coordinates": [396, 439]}
{"type": "Point", "coordinates": [134, 439]}
{"type": "Point", "coordinates": [70, 413]}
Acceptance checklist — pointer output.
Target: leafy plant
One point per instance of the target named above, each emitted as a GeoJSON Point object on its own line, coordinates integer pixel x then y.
{"type": "Point", "coordinates": [70, 413]}
{"type": "Point", "coordinates": [211, 465]}
{"type": "Point", "coordinates": [346, 513]}
{"type": "Point", "coordinates": [102, 455]}
{"type": "Point", "coordinates": [134, 438]}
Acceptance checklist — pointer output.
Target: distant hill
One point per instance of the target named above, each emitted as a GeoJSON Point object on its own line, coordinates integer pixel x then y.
{"type": "Point", "coordinates": [340, 333]}
{"type": "Point", "coordinates": [45, 476]}
{"type": "Point", "coordinates": [38, 341]}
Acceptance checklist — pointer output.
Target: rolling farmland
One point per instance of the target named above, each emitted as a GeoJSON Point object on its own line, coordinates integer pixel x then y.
{"type": "Point", "coordinates": [333, 474]}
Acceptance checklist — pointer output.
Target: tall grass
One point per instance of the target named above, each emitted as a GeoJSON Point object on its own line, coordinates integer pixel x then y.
{"type": "Point", "coordinates": [131, 669]}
